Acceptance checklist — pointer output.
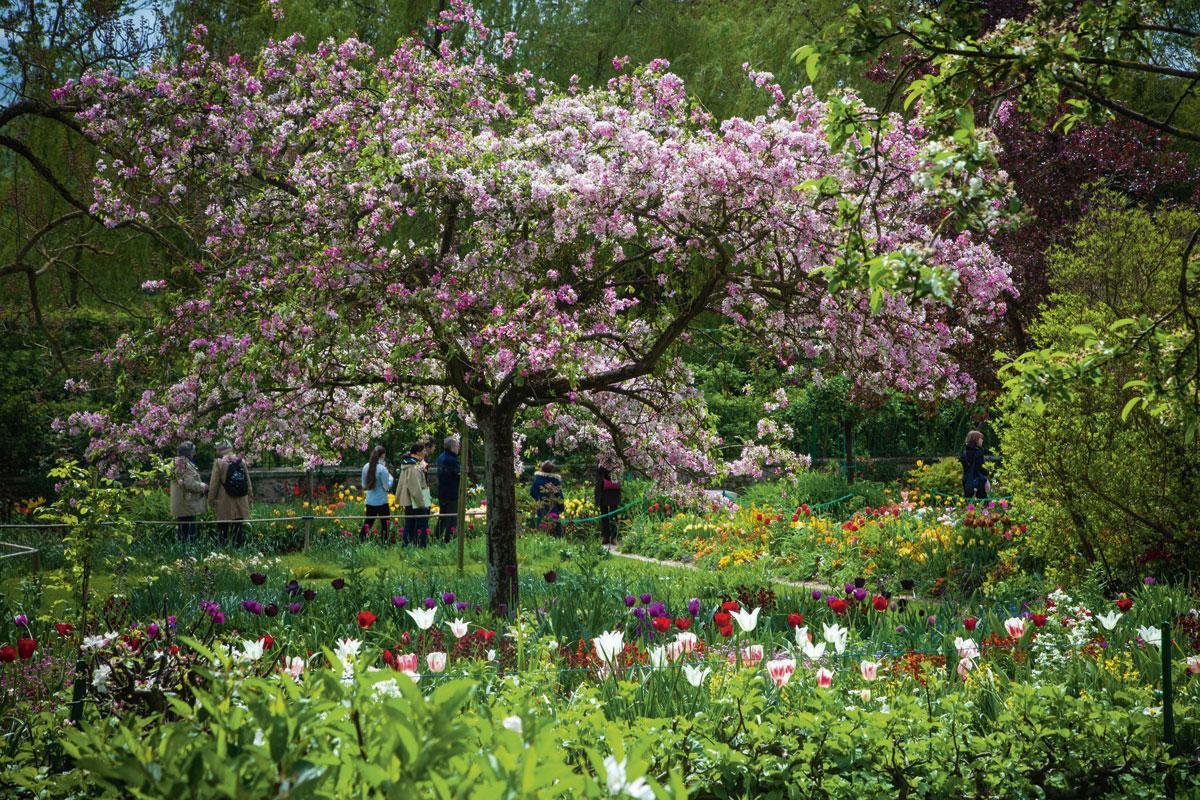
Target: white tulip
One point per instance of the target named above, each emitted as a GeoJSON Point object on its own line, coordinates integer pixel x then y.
{"type": "Point", "coordinates": [423, 617]}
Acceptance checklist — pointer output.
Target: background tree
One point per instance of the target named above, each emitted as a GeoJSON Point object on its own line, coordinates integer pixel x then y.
{"type": "Point", "coordinates": [376, 240]}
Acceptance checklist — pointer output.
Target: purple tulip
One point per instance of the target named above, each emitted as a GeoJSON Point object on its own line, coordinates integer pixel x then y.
{"type": "Point", "coordinates": [931, 620]}
{"type": "Point", "coordinates": [430, 602]}
{"type": "Point", "coordinates": [271, 609]}
{"type": "Point", "coordinates": [447, 597]}
{"type": "Point", "coordinates": [171, 621]}
{"type": "Point", "coordinates": [399, 601]}
{"type": "Point", "coordinates": [646, 598]}
{"type": "Point", "coordinates": [310, 594]}
{"type": "Point", "coordinates": [860, 583]}
{"type": "Point", "coordinates": [461, 606]}
{"type": "Point", "coordinates": [639, 612]}
{"type": "Point", "coordinates": [257, 578]}
{"type": "Point", "coordinates": [630, 600]}
{"type": "Point", "coordinates": [293, 587]}
{"type": "Point", "coordinates": [20, 620]}
{"type": "Point", "coordinates": [219, 617]}
{"type": "Point", "coordinates": [253, 606]}
{"type": "Point", "coordinates": [816, 594]}
{"type": "Point", "coordinates": [849, 587]}
{"type": "Point", "coordinates": [907, 584]}
{"type": "Point", "coordinates": [338, 584]}
{"type": "Point", "coordinates": [860, 594]}
{"type": "Point", "coordinates": [551, 576]}
{"type": "Point", "coordinates": [694, 606]}
{"type": "Point", "coordinates": [1149, 580]}
{"type": "Point", "coordinates": [152, 631]}
{"type": "Point", "coordinates": [900, 629]}
{"type": "Point", "coordinates": [294, 608]}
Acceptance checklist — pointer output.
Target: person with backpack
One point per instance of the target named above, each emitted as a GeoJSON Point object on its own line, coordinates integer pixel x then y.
{"type": "Point", "coordinates": [608, 499]}
{"type": "Point", "coordinates": [376, 481]}
{"type": "Point", "coordinates": [229, 492]}
{"type": "Point", "coordinates": [187, 492]}
{"type": "Point", "coordinates": [412, 494]}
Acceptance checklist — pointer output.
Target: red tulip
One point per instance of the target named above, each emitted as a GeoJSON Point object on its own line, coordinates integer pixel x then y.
{"type": "Point", "coordinates": [795, 620]}
{"type": "Point", "coordinates": [174, 649]}
{"type": "Point", "coordinates": [366, 619]}
{"type": "Point", "coordinates": [838, 605]}
{"type": "Point", "coordinates": [485, 634]}
{"type": "Point", "coordinates": [662, 624]}
{"type": "Point", "coordinates": [25, 648]}
{"type": "Point", "coordinates": [1039, 619]}
{"type": "Point", "coordinates": [722, 618]}
{"type": "Point", "coordinates": [267, 641]}
{"type": "Point", "coordinates": [1124, 604]}
{"type": "Point", "coordinates": [63, 628]}
{"type": "Point", "coordinates": [683, 623]}
{"type": "Point", "coordinates": [387, 657]}
{"type": "Point", "coordinates": [726, 630]}
{"type": "Point", "coordinates": [7, 654]}
{"type": "Point", "coordinates": [969, 623]}
{"type": "Point", "coordinates": [731, 605]}
{"type": "Point", "coordinates": [879, 602]}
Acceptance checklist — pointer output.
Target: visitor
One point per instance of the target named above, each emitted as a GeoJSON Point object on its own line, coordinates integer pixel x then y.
{"type": "Point", "coordinates": [547, 492]}
{"type": "Point", "coordinates": [976, 483]}
{"type": "Point", "coordinates": [447, 481]}
{"type": "Point", "coordinates": [188, 492]}
{"type": "Point", "coordinates": [376, 481]}
{"type": "Point", "coordinates": [229, 490]}
{"type": "Point", "coordinates": [608, 499]}
{"type": "Point", "coordinates": [412, 493]}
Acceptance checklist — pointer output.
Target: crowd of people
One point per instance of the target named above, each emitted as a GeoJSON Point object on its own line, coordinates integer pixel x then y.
{"type": "Point", "coordinates": [229, 492]}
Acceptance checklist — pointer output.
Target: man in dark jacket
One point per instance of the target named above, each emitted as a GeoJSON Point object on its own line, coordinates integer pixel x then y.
{"type": "Point", "coordinates": [447, 483]}
{"type": "Point", "coordinates": [976, 481]}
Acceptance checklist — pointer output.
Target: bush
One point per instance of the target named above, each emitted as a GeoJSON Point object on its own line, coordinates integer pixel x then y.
{"type": "Point", "coordinates": [1112, 494]}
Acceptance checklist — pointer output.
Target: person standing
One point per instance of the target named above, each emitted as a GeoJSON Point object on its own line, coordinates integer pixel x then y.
{"type": "Point", "coordinates": [376, 481]}
{"type": "Point", "coordinates": [546, 490]}
{"type": "Point", "coordinates": [448, 472]}
{"type": "Point", "coordinates": [188, 492]}
{"type": "Point", "coordinates": [608, 500]}
{"type": "Point", "coordinates": [976, 482]}
{"type": "Point", "coordinates": [412, 493]}
{"type": "Point", "coordinates": [229, 491]}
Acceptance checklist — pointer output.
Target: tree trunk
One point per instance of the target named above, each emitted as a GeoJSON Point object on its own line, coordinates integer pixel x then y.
{"type": "Point", "coordinates": [848, 440]}
{"type": "Point", "coordinates": [500, 487]}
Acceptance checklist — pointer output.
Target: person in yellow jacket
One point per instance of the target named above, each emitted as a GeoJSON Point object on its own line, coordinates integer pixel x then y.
{"type": "Point", "coordinates": [188, 492]}
{"type": "Point", "coordinates": [412, 494]}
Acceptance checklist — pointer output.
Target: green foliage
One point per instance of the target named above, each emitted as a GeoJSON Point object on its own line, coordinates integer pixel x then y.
{"type": "Point", "coordinates": [1109, 488]}
{"type": "Point", "coordinates": [942, 477]}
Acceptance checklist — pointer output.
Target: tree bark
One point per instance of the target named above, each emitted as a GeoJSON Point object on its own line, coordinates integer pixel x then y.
{"type": "Point", "coordinates": [500, 488]}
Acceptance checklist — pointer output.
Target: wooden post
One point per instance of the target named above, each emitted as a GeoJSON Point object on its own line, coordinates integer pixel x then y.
{"type": "Point", "coordinates": [308, 521]}
{"type": "Point", "coordinates": [464, 474]}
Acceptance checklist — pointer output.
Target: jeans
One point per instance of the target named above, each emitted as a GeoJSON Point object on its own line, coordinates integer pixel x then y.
{"type": "Point", "coordinates": [608, 525]}
{"type": "Point", "coordinates": [416, 526]}
{"type": "Point", "coordinates": [447, 526]}
{"type": "Point", "coordinates": [381, 512]}
{"type": "Point", "coordinates": [187, 528]}
{"type": "Point", "coordinates": [231, 532]}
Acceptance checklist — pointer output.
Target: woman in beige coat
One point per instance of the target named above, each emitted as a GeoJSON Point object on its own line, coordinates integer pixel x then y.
{"type": "Point", "coordinates": [187, 492]}
{"type": "Point", "coordinates": [229, 493]}
{"type": "Point", "coordinates": [412, 494]}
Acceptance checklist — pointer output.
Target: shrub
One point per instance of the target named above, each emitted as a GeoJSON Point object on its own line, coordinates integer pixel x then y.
{"type": "Point", "coordinates": [1115, 494]}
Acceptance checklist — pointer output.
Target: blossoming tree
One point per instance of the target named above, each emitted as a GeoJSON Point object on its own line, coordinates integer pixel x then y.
{"type": "Point", "coordinates": [374, 239]}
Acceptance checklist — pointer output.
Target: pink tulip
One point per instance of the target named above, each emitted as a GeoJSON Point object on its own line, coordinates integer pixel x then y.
{"type": "Point", "coordinates": [687, 640]}
{"type": "Point", "coordinates": [965, 666]}
{"type": "Point", "coordinates": [752, 654]}
{"type": "Point", "coordinates": [1015, 626]}
{"type": "Point", "coordinates": [1193, 665]}
{"type": "Point", "coordinates": [869, 670]}
{"type": "Point", "coordinates": [294, 666]}
{"type": "Point", "coordinates": [824, 678]}
{"type": "Point", "coordinates": [407, 662]}
{"type": "Point", "coordinates": [781, 670]}
{"type": "Point", "coordinates": [436, 662]}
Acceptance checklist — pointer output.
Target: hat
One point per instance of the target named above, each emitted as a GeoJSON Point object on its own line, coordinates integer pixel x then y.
{"type": "Point", "coordinates": [186, 449]}
{"type": "Point", "coordinates": [222, 446]}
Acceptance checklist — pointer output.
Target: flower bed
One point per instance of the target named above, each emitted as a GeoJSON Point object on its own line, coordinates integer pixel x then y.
{"type": "Point", "coordinates": [653, 684]}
